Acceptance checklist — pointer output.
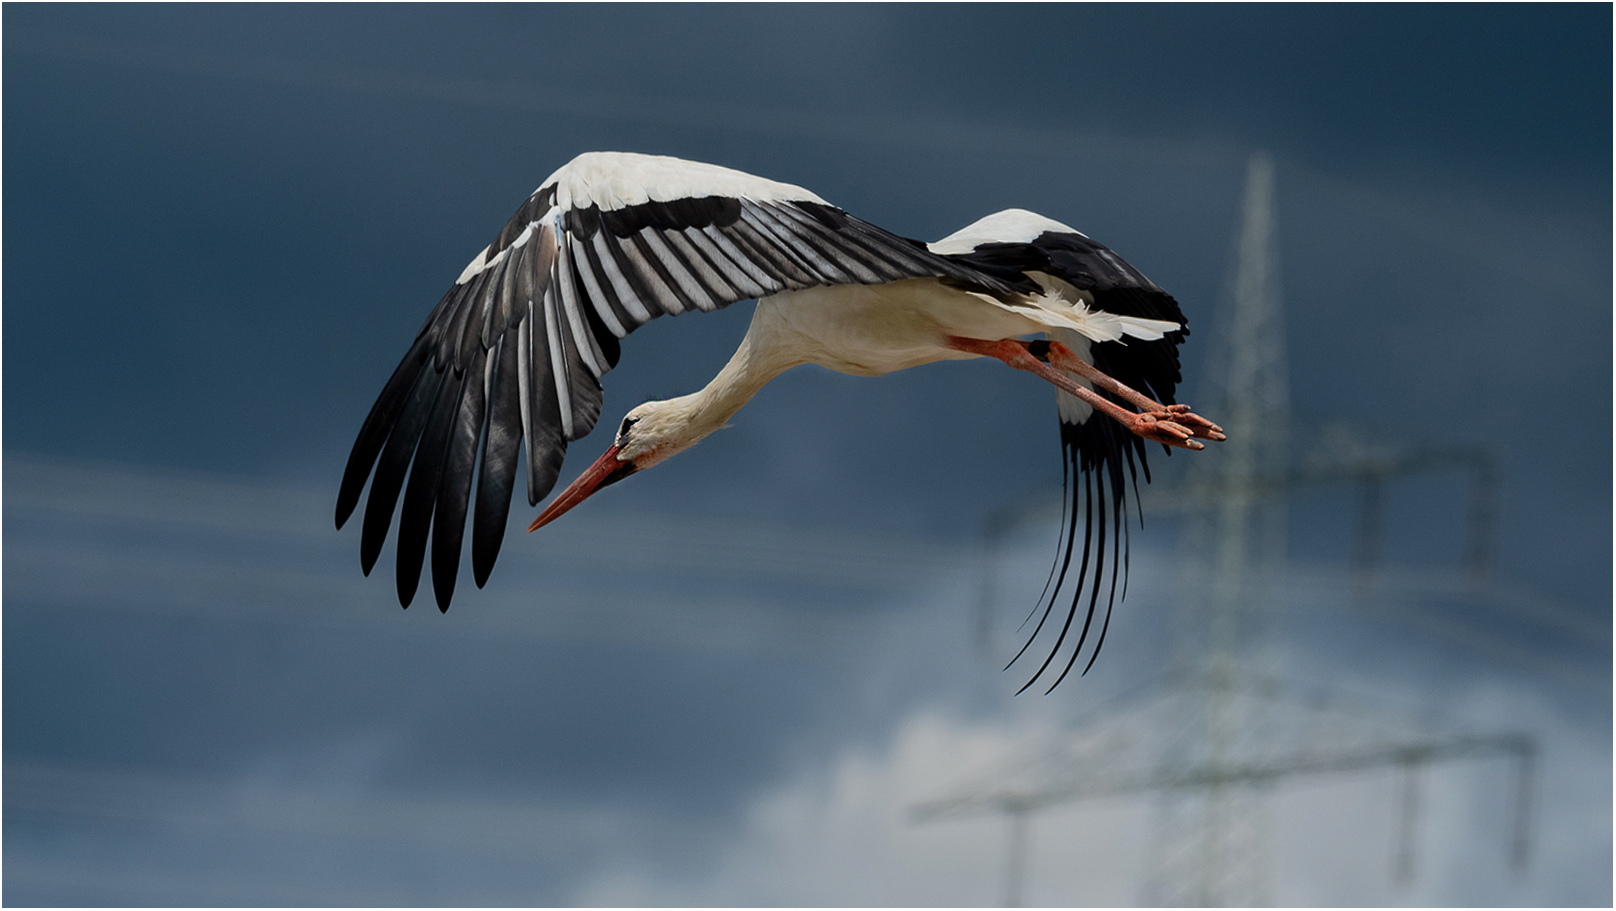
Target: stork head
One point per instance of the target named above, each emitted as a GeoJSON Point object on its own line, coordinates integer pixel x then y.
{"type": "Point", "coordinates": [650, 433]}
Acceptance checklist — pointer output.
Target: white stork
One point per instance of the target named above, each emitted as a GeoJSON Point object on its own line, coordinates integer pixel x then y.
{"type": "Point", "coordinates": [517, 348]}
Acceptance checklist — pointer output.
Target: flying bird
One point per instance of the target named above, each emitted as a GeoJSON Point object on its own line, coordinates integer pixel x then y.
{"type": "Point", "coordinates": [511, 358]}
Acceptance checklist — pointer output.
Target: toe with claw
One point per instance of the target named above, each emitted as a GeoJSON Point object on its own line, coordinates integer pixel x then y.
{"type": "Point", "coordinates": [1164, 428]}
{"type": "Point", "coordinates": [1198, 426]}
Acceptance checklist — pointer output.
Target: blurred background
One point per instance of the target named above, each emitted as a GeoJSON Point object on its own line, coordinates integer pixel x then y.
{"type": "Point", "coordinates": [1365, 656]}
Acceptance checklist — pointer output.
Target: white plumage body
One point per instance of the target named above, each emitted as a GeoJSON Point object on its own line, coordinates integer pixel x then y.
{"type": "Point", "coordinates": [869, 330]}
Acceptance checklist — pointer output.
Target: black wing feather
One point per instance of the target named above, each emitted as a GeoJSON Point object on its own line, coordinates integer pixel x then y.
{"type": "Point", "coordinates": [420, 494]}
{"type": "Point", "coordinates": [454, 485]}
{"type": "Point", "coordinates": [394, 463]}
{"type": "Point", "coordinates": [547, 445]}
{"type": "Point", "coordinates": [496, 477]}
{"type": "Point", "coordinates": [374, 432]}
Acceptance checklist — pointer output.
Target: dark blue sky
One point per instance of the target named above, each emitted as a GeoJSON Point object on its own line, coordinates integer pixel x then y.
{"type": "Point", "coordinates": [223, 224]}
{"type": "Point", "coordinates": [229, 222]}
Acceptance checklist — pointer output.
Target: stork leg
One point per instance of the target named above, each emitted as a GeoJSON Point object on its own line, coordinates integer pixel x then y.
{"type": "Point", "coordinates": [1058, 355]}
{"type": "Point", "coordinates": [1157, 423]}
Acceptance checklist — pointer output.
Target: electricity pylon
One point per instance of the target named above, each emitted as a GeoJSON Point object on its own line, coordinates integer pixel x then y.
{"type": "Point", "coordinates": [1211, 841]}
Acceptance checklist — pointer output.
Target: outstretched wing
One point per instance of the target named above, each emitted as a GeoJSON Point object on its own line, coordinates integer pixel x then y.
{"type": "Point", "coordinates": [517, 347]}
{"type": "Point", "coordinates": [1102, 459]}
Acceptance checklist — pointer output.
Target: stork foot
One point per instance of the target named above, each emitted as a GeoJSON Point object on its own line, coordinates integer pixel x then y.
{"type": "Point", "coordinates": [1197, 425]}
{"type": "Point", "coordinates": [1164, 427]}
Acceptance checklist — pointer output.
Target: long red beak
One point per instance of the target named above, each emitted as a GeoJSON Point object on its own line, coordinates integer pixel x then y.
{"type": "Point", "coordinates": [606, 471]}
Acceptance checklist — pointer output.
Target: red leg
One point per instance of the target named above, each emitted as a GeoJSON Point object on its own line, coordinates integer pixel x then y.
{"type": "Point", "coordinates": [1161, 427]}
{"type": "Point", "coordinates": [1063, 357]}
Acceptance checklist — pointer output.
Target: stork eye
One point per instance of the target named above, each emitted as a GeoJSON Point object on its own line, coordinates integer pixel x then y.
{"type": "Point", "coordinates": [622, 431]}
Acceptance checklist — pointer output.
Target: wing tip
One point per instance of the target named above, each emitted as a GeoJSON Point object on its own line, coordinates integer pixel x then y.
{"type": "Point", "coordinates": [1098, 461]}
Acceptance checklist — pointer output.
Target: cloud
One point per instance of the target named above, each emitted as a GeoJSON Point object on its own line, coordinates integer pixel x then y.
{"type": "Point", "coordinates": [842, 833]}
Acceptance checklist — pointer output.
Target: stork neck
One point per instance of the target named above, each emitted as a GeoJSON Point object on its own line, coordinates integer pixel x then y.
{"type": "Point", "coordinates": [753, 365]}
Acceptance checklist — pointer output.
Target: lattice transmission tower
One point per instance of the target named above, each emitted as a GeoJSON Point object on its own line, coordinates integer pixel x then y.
{"type": "Point", "coordinates": [1211, 842]}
